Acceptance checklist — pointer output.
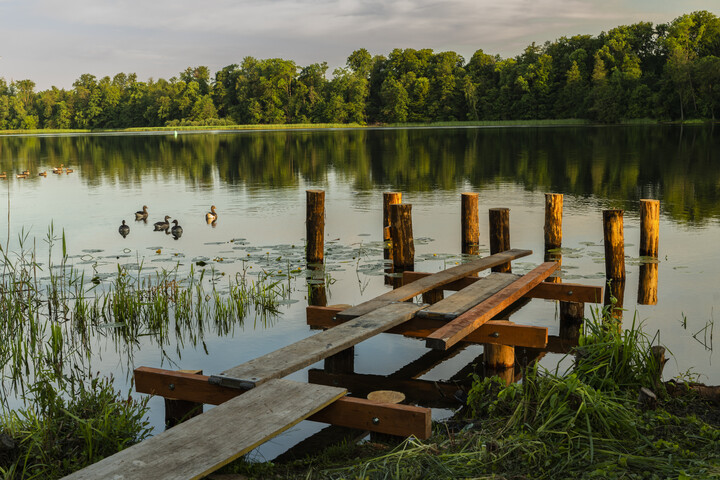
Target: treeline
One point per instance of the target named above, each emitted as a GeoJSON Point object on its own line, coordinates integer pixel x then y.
{"type": "Point", "coordinates": [665, 72]}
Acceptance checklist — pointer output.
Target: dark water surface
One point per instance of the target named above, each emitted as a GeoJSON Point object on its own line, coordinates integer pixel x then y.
{"type": "Point", "coordinates": [258, 180]}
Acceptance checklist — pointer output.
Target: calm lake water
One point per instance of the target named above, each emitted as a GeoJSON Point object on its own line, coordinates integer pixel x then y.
{"type": "Point", "coordinates": [258, 180]}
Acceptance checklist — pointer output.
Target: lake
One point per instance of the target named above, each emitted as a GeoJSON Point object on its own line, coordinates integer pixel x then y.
{"type": "Point", "coordinates": [258, 179]}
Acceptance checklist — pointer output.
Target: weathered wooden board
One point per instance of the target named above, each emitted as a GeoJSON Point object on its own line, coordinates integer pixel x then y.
{"type": "Point", "coordinates": [457, 329]}
{"type": "Point", "coordinates": [346, 412]}
{"type": "Point", "coordinates": [459, 303]}
{"type": "Point", "coordinates": [565, 292]}
{"type": "Point", "coordinates": [305, 352]}
{"type": "Point", "coordinates": [497, 332]}
{"type": "Point", "coordinates": [434, 281]}
{"type": "Point", "coordinates": [205, 443]}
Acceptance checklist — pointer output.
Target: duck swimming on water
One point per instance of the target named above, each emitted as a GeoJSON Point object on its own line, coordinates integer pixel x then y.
{"type": "Point", "coordinates": [211, 216]}
{"type": "Point", "coordinates": [124, 229]}
{"type": "Point", "coordinates": [176, 230]}
{"type": "Point", "coordinates": [142, 214]}
{"type": "Point", "coordinates": [163, 225]}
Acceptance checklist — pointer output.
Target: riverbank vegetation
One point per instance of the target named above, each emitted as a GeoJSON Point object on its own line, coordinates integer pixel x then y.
{"type": "Point", "coordinates": [640, 71]}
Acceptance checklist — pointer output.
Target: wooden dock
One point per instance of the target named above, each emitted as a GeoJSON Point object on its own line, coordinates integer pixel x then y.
{"type": "Point", "coordinates": [255, 403]}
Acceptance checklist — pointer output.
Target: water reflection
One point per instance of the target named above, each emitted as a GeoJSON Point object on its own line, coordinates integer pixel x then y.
{"type": "Point", "coordinates": [622, 164]}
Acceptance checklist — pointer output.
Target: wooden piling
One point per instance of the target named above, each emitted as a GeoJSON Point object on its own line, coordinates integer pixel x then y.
{"type": "Point", "coordinates": [499, 361]}
{"type": "Point", "coordinates": [315, 224]}
{"type": "Point", "coordinates": [613, 235]}
{"type": "Point", "coordinates": [389, 198]}
{"type": "Point", "coordinates": [649, 227]}
{"type": "Point", "coordinates": [469, 221]}
{"type": "Point", "coordinates": [500, 235]}
{"type": "Point", "coordinates": [401, 234]}
{"type": "Point", "coordinates": [553, 220]}
{"type": "Point", "coordinates": [177, 411]}
{"type": "Point", "coordinates": [572, 315]}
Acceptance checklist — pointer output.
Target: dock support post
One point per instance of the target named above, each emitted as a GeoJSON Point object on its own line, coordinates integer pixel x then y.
{"type": "Point", "coordinates": [177, 411]}
{"type": "Point", "coordinates": [389, 198]}
{"type": "Point", "coordinates": [499, 361]}
{"type": "Point", "coordinates": [500, 235]}
{"type": "Point", "coordinates": [553, 232]}
{"type": "Point", "coordinates": [401, 233]}
{"type": "Point", "coordinates": [469, 221]}
{"type": "Point", "coordinates": [614, 239]}
{"type": "Point", "coordinates": [315, 223]}
{"type": "Point", "coordinates": [572, 316]}
{"type": "Point", "coordinates": [649, 240]}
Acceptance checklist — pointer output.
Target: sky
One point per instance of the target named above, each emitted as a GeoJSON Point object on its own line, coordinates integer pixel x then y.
{"type": "Point", "coordinates": [54, 42]}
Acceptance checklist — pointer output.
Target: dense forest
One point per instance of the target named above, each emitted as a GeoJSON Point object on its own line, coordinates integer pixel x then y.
{"type": "Point", "coordinates": [664, 72]}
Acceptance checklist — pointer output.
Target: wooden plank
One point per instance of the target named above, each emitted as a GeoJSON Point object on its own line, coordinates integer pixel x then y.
{"type": "Point", "coordinates": [205, 443]}
{"type": "Point", "coordinates": [301, 354]}
{"type": "Point", "coordinates": [428, 393]}
{"type": "Point", "coordinates": [460, 327]}
{"type": "Point", "coordinates": [435, 280]}
{"type": "Point", "coordinates": [459, 303]}
{"type": "Point", "coordinates": [497, 332]}
{"type": "Point", "coordinates": [565, 292]}
{"type": "Point", "coordinates": [346, 412]}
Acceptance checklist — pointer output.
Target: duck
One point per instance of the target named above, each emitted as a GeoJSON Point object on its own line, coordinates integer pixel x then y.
{"type": "Point", "coordinates": [163, 225]}
{"type": "Point", "coordinates": [124, 229]}
{"type": "Point", "coordinates": [3, 175]}
{"type": "Point", "coordinates": [21, 175]}
{"type": "Point", "coordinates": [42, 174]}
{"type": "Point", "coordinates": [141, 214]}
{"type": "Point", "coordinates": [176, 230]}
{"type": "Point", "coordinates": [58, 169]}
{"type": "Point", "coordinates": [26, 173]}
{"type": "Point", "coordinates": [211, 216]}
{"type": "Point", "coordinates": [69, 171]}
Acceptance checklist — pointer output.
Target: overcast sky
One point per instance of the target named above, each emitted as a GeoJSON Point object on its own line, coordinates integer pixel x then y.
{"type": "Point", "coordinates": [54, 42]}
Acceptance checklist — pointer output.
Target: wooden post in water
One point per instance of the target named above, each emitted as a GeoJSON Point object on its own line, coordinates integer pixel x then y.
{"type": "Point", "coordinates": [499, 361]}
{"type": "Point", "coordinates": [177, 411]}
{"type": "Point", "coordinates": [614, 239]}
{"type": "Point", "coordinates": [315, 227]}
{"type": "Point", "coordinates": [470, 225]}
{"type": "Point", "coordinates": [649, 227]}
{"type": "Point", "coordinates": [389, 198]}
{"type": "Point", "coordinates": [572, 316]}
{"type": "Point", "coordinates": [649, 240]}
{"type": "Point", "coordinates": [401, 234]}
{"type": "Point", "coordinates": [500, 235]}
{"type": "Point", "coordinates": [553, 231]}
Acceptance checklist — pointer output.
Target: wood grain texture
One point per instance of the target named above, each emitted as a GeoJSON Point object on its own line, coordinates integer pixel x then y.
{"type": "Point", "coordinates": [303, 353]}
{"type": "Point", "coordinates": [567, 292]}
{"type": "Point", "coordinates": [459, 328]}
{"type": "Point", "coordinates": [205, 443]}
{"type": "Point", "coordinates": [494, 331]}
{"type": "Point", "coordinates": [469, 223]}
{"type": "Point", "coordinates": [614, 240]}
{"type": "Point", "coordinates": [407, 420]}
{"type": "Point", "coordinates": [649, 227]}
{"type": "Point", "coordinates": [468, 297]}
{"type": "Point", "coordinates": [553, 220]}
{"type": "Point", "coordinates": [315, 226]}
{"type": "Point", "coordinates": [499, 219]}
{"type": "Point", "coordinates": [401, 236]}
{"type": "Point", "coordinates": [435, 280]}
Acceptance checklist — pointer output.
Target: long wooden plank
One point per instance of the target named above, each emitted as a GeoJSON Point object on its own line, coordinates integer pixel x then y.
{"type": "Point", "coordinates": [565, 292]}
{"type": "Point", "coordinates": [457, 329]}
{"type": "Point", "coordinates": [468, 297]}
{"type": "Point", "coordinates": [301, 354]}
{"type": "Point", "coordinates": [497, 332]}
{"type": "Point", "coordinates": [205, 443]}
{"type": "Point", "coordinates": [435, 280]}
{"type": "Point", "coordinates": [401, 420]}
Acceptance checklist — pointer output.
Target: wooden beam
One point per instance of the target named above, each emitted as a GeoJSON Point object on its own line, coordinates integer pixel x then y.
{"type": "Point", "coordinates": [201, 445]}
{"type": "Point", "coordinates": [564, 292]}
{"type": "Point", "coordinates": [496, 332]}
{"type": "Point", "coordinates": [307, 351]}
{"type": "Point", "coordinates": [460, 327]}
{"type": "Point", "coordinates": [404, 420]}
{"type": "Point", "coordinates": [425, 392]}
{"type": "Point", "coordinates": [433, 281]}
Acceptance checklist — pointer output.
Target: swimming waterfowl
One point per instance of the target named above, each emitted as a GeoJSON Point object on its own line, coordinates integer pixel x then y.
{"type": "Point", "coordinates": [124, 229]}
{"type": "Point", "coordinates": [68, 170]}
{"type": "Point", "coordinates": [58, 169]}
{"type": "Point", "coordinates": [141, 214]}
{"type": "Point", "coordinates": [211, 216]}
{"type": "Point", "coordinates": [21, 175]}
{"type": "Point", "coordinates": [26, 172]}
{"type": "Point", "coordinates": [42, 174]}
{"type": "Point", "coordinates": [176, 230]}
{"type": "Point", "coordinates": [163, 225]}
{"type": "Point", "coordinates": [3, 175]}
